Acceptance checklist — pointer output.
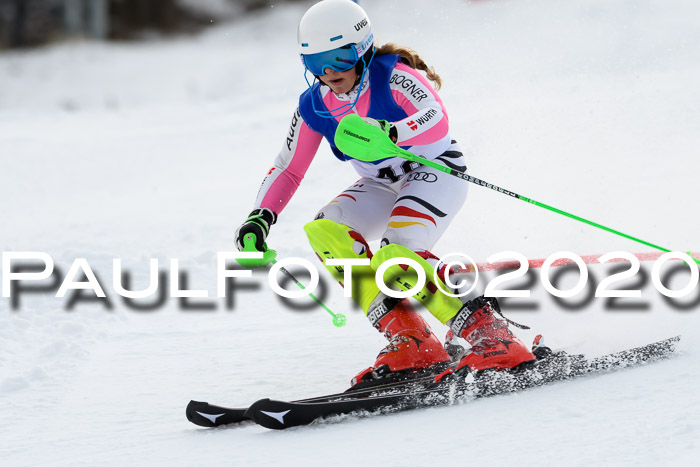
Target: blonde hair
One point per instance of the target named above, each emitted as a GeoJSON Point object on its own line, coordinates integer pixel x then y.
{"type": "Point", "coordinates": [411, 58]}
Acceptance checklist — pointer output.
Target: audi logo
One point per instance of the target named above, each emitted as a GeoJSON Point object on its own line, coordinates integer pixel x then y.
{"type": "Point", "coordinates": [422, 177]}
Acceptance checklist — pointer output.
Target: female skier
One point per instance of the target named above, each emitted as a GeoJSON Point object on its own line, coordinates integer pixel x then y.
{"type": "Point", "coordinates": [405, 205]}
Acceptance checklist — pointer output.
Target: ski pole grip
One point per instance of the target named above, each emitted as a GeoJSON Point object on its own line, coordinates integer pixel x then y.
{"type": "Point", "coordinates": [249, 246]}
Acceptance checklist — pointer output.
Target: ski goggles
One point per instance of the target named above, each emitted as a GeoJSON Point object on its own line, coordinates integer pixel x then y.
{"type": "Point", "coordinates": [340, 59]}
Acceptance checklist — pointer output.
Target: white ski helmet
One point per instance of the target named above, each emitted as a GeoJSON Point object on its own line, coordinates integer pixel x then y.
{"type": "Point", "coordinates": [331, 24]}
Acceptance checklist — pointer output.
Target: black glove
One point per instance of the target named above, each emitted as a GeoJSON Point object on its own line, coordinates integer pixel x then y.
{"type": "Point", "coordinates": [388, 127]}
{"type": "Point", "coordinates": [258, 223]}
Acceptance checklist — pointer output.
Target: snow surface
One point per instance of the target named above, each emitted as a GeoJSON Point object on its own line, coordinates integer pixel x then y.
{"type": "Point", "coordinates": [156, 150]}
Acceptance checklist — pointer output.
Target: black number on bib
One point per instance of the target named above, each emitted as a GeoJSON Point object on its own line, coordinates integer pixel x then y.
{"type": "Point", "coordinates": [390, 174]}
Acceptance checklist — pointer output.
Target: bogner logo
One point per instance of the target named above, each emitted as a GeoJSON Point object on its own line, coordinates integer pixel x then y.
{"type": "Point", "coordinates": [361, 25]}
{"type": "Point", "coordinates": [409, 86]}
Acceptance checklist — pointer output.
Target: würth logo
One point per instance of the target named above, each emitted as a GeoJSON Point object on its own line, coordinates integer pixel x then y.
{"type": "Point", "coordinates": [412, 125]}
{"type": "Point", "coordinates": [427, 117]}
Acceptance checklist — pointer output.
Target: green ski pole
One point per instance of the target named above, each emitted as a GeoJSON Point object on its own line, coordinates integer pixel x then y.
{"type": "Point", "coordinates": [269, 257]}
{"type": "Point", "coordinates": [366, 142]}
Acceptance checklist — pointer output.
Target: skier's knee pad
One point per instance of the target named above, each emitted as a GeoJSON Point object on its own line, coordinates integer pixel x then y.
{"type": "Point", "coordinates": [331, 240]}
{"type": "Point", "coordinates": [404, 277]}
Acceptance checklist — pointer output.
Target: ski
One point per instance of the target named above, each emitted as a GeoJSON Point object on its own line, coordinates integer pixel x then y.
{"type": "Point", "coordinates": [446, 389]}
{"type": "Point", "coordinates": [209, 416]}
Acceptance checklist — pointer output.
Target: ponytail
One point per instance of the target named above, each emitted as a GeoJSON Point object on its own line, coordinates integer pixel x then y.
{"type": "Point", "coordinates": [411, 58]}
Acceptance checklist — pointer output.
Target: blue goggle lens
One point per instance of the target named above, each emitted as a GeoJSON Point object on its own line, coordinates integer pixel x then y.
{"type": "Point", "coordinates": [340, 59]}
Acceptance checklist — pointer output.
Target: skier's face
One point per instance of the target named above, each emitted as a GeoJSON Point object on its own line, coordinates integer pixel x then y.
{"type": "Point", "coordinates": [339, 81]}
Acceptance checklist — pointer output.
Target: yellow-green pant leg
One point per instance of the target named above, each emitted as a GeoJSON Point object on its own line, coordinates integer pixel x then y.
{"type": "Point", "coordinates": [442, 306]}
{"type": "Point", "coordinates": [332, 240]}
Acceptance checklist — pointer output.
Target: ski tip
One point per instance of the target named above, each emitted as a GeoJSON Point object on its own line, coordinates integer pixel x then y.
{"type": "Point", "coordinates": [209, 416]}
{"type": "Point", "coordinates": [658, 349]}
{"type": "Point", "coordinates": [270, 414]}
{"type": "Point", "coordinates": [253, 410]}
{"type": "Point", "coordinates": [671, 341]}
{"type": "Point", "coordinates": [192, 412]}
{"type": "Point", "coordinates": [675, 340]}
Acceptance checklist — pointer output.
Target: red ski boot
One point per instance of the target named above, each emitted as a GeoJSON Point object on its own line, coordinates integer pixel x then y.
{"type": "Point", "coordinates": [493, 345]}
{"type": "Point", "coordinates": [413, 348]}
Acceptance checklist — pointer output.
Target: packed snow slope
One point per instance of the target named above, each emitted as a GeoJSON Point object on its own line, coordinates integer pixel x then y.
{"type": "Point", "coordinates": [156, 150]}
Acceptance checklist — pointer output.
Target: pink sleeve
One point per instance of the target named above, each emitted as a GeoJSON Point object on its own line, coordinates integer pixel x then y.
{"type": "Point", "coordinates": [427, 120]}
{"type": "Point", "coordinates": [290, 166]}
